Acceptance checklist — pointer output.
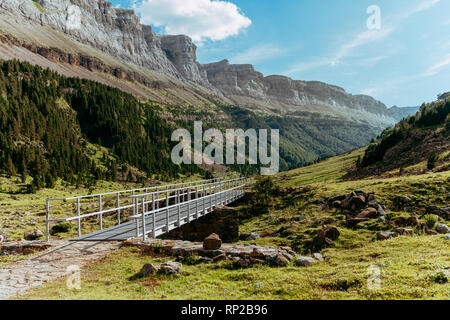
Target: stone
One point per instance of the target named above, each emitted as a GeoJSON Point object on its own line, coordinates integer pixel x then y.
{"type": "Point", "coordinates": [281, 261]}
{"type": "Point", "coordinates": [243, 263]}
{"type": "Point", "coordinates": [318, 256]}
{"type": "Point", "coordinates": [24, 247]}
{"type": "Point", "coordinates": [386, 235]}
{"type": "Point", "coordinates": [404, 231]}
{"type": "Point", "coordinates": [413, 221]}
{"type": "Point", "coordinates": [431, 232]}
{"type": "Point", "coordinates": [147, 270]}
{"type": "Point", "coordinates": [304, 261]}
{"type": "Point", "coordinates": [369, 213]}
{"type": "Point", "coordinates": [36, 234]}
{"type": "Point", "coordinates": [3, 235]}
{"type": "Point", "coordinates": [253, 236]}
{"type": "Point", "coordinates": [220, 257]}
{"type": "Point", "coordinates": [442, 228]}
{"type": "Point", "coordinates": [212, 242]}
{"type": "Point", "coordinates": [354, 202]}
{"type": "Point", "coordinates": [447, 237]}
{"type": "Point", "coordinates": [170, 267]}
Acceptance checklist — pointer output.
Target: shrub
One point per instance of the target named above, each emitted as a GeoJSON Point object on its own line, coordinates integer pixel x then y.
{"type": "Point", "coordinates": [432, 159]}
{"type": "Point", "coordinates": [430, 220]}
{"type": "Point", "coordinates": [60, 228]}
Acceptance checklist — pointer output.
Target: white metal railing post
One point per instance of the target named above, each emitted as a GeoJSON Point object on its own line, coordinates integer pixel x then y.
{"type": "Point", "coordinates": [179, 207]}
{"type": "Point", "coordinates": [79, 218]}
{"type": "Point", "coordinates": [101, 209]}
{"type": "Point", "coordinates": [167, 208]}
{"type": "Point", "coordinates": [135, 212]}
{"type": "Point", "coordinates": [118, 207]}
{"type": "Point", "coordinates": [210, 197]}
{"type": "Point", "coordinates": [154, 217]}
{"type": "Point", "coordinates": [196, 202]}
{"type": "Point", "coordinates": [204, 199]}
{"type": "Point", "coordinates": [143, 219]}
{"type": "Point", "coordinates": [47, 220]}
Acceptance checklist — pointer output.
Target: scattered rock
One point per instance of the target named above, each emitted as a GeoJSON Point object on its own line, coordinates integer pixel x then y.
{"type": "Point", "coordinates": [36, 234]}
{"type": "Point", "coordinates": [354, 202]}
{"type": "Point", "coordinates": [170, 267]}
{"type": "Point", "coordinates": [253, 236]}
{"type": "Point", "coordinates": [442, 228]}
{"type": "Point", "coordinates": [447, 237]}
{"type": "Point", "coordinates": [385, 235]}
{"type": "Point", "coordinates": [281, 260]}
{"type": "Point", "coordinates": [404, 231]}
{"type": "Point", "coordinates": [317, 256]}
{"type": "Point", "coordinates": [3, 235]}
{"type": "Point", "coordinates": [304, 261]}
{"type": "Point", "coordinates": [220, 257]}
{"type": "Point", "coordinates": [147, 270]}
{"type": "Point", "coordinates": [431, 232]}
{"type": "Point", "coordinates": [326, 236]}
{"type": "Point", "coordinates": [212, 242]}
{"type": "Point", "coordinates": [242, 263]}
{"type": "Point", "coordinates": [369, 213]}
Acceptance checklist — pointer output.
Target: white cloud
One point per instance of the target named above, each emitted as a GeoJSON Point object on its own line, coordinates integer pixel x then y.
{"type": "Point", "coordinates": [436, 68]}
{"type": "Point", "coordinates": [421, 7]}
{"type": "Point", "coordinates": [345, 50]}
{"type": "Point", "coordinates": [199, 19]}
{"type": "Point", "coordinates": [259, 53]}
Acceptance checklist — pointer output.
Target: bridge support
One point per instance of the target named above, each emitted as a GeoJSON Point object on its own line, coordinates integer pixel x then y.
{"type": "Point", "coordinates": [223, 221]}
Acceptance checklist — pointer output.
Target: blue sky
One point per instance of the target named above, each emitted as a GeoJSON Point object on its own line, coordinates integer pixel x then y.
{"type": "Point", "coordinates": [405, 62]}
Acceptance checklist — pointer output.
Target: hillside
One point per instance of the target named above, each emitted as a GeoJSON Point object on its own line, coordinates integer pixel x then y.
{"type": "Point", "coordinates": [423, 137]}
{"type": "Point", "coordinates": [113, 48]}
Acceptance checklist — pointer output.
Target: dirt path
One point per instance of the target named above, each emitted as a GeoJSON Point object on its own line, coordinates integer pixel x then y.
{"type": "Point", "coordinates": [51, 264]}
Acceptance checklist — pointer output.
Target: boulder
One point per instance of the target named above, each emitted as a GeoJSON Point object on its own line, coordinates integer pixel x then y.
{"type": "Point", "coordinates": [317, 256]}
{"type": "Point", "coordinates": [326, 236]}
{"type": "Point", "coordinates": [170, 267]}
{"type": "Point", "coordinates": [369, 213]}
{"type": "Point", "coordinates": [442, 228]}
{"type": "Point", "coordinates": [431, 232]}
{"type": "Point", "coordinates": [385, 235]}
{"type": "Point", "coordinates": [147, 270]}
{"type": "Point", "coordinates": [354, 202]}
{"type": "Point", "coordinates": [36, 234]}
{"type": "Point", "coordinates": [304, 261]}
{"type": "Point", "coordinates": [404, 231]}
{"type": "Point", "coordinates": [220, 257]}
{"type": "Point", "coordinates": [447, 237]}
{"type": "Point", "coordinates": [253, 236]}
{"type": "Point", "coordinates": [3, 235]}
{"type": "Point", "coordinates": [281, 260]}
{"type": "Point", "coordinates": [212, 242]}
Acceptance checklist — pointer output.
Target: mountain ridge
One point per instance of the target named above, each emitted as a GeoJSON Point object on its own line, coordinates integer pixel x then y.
{"type": "Point", "coordinates": [168, 59]}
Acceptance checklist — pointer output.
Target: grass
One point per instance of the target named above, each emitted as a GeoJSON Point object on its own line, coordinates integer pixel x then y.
{"type": "Point", "coordinates": [409, 267]}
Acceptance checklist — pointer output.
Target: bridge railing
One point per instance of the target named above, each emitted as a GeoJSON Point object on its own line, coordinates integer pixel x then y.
{"type": "Point", "coordinates": [209, 195]}
{"type": "Point", "coordinates": [111, 203]}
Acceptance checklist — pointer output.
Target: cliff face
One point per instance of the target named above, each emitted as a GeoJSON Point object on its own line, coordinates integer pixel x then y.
{"type": "Point", "coordinates": [112, 40]}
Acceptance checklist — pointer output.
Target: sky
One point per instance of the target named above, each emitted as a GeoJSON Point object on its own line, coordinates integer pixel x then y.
{"type": "Point", "coordinates": [396, 51]}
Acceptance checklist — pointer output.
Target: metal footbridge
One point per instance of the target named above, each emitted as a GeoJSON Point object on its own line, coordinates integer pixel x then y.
{"type": "Point", "coordinates": [147, 212]}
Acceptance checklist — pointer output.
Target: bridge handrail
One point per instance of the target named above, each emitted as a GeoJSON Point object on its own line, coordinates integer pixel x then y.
{"type": "Point", "coordinates": [163, 189]}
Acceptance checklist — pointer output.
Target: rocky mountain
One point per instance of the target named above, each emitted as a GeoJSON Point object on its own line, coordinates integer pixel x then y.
{"type": "Point", "coordinates": [400, 113]}
{"type": "Point", "coordinates": [90, 39]}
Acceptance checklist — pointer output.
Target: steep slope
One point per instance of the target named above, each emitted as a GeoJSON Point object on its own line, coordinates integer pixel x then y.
{"type": "Point", "coordinates": [418, 138]}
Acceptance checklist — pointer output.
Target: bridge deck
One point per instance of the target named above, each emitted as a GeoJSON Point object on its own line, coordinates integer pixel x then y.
{"type": "Point", "coordinates": [126, 231]}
